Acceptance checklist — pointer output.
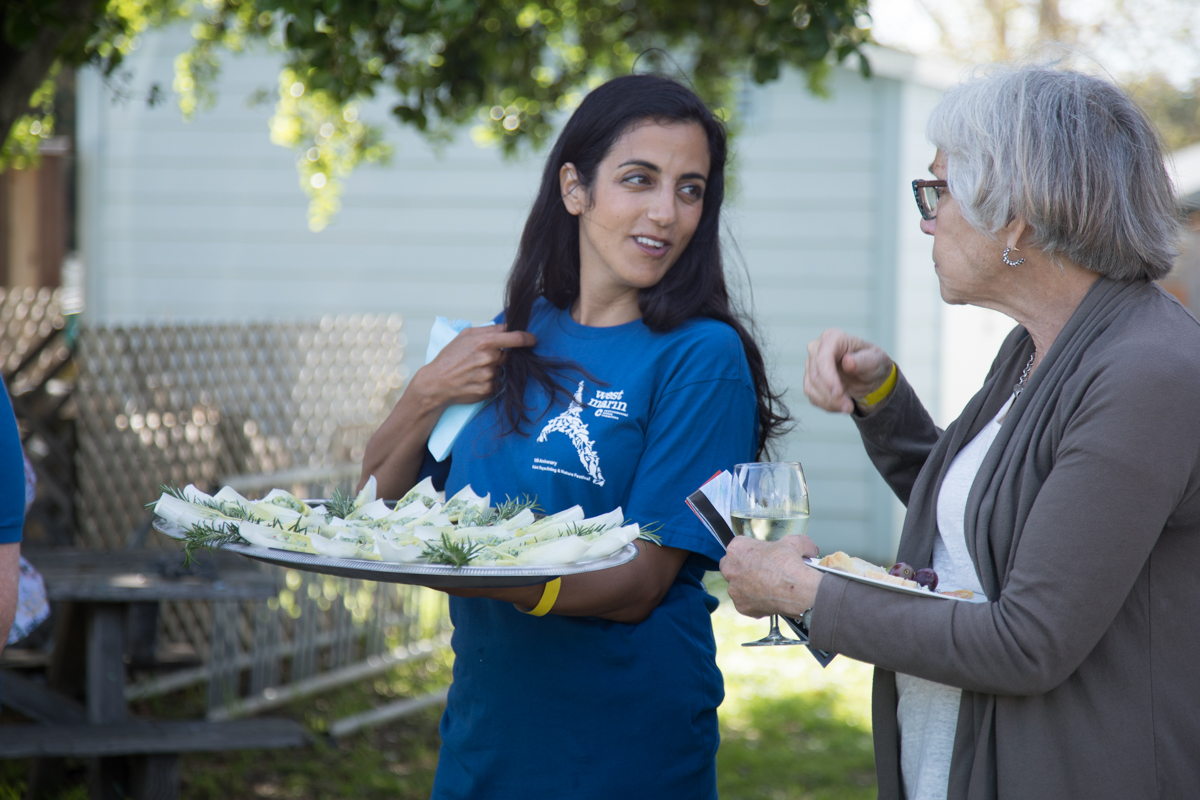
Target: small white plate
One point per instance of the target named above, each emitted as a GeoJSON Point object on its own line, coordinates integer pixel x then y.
{"type": "Point", "coordinates": [920, 591]}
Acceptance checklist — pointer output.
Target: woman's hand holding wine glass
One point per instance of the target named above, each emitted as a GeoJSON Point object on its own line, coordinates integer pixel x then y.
{"type": "Point", "coordinates": [771, 577]}
{"type": "Point", "coordinates": [770, 501]}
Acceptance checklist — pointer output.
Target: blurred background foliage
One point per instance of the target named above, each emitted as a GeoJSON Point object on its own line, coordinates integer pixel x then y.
{"type": "Point", "coordinates": [504, 67]}
{"type": "Point", "coordinates": [1175, 111]}
{"type": "Point", "coordinates": [1149, 46]}
{"type": "Point", "coordinates": [38, 38]}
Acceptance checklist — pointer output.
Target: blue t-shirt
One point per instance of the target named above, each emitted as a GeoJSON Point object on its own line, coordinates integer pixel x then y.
{"type": "Point", "coordinates": [582, 707]}
{"type": "Point", "coordinates": [12, 474]}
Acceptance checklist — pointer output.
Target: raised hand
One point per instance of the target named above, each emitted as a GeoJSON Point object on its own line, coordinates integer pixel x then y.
{"type": "Point", "coordinates": [466, 369]}
{"type": "Point", "coordinates": [464, 372]}
{"type": "Point", "coordinates": [841, 367]}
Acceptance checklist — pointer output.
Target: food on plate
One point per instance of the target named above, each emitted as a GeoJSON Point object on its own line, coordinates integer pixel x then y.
{"type": "Point", "coordinates": [423, 527]}
{"type": "Point", "coordinates": [857, 566]}
{"type": "Point", "coordinates": [927, 578]}
{"type": "Point", "coordinates": [920, 579]}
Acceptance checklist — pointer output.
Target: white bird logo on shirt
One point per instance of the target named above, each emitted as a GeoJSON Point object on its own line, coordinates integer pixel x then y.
{"type": "Point", "coordinates": [571, 423]}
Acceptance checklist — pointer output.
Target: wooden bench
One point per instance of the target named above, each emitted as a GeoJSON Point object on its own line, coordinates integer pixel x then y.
{"type": "Point", "coordinates": [140, 760]}
{"type": "Point", "coordinates": [133, 758]}
{"type": "Point", "coordinates": [148, 738]}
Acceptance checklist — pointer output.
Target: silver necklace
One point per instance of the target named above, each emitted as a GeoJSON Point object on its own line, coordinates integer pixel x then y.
{"type": "Point", "coordinates": [1020, 387]}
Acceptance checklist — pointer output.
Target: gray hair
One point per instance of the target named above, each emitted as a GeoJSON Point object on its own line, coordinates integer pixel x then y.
{"type": "Point", "coordinates": [1069, 153]}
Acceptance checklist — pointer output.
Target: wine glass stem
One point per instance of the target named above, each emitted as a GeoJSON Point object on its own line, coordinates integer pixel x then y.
{"type": "Point", "coordinates": [775, 634]}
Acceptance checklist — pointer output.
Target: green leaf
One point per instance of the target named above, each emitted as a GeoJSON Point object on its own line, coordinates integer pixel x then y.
{"type": "Point", "coordinates": [507, 69]}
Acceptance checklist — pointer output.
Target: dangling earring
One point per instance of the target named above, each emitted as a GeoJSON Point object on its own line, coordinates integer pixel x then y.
{"type": "Point", "coordinates": [1016, 263]}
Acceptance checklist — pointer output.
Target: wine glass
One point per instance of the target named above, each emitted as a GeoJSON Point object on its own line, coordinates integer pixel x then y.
{"type": "Point", "coordinates": [770, 501]}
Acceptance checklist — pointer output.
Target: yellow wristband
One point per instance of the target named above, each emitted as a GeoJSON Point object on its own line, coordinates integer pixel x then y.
{"type": "Point", "coordinates": [549, 597]}
{"type": "Point", "coordinates": [883, 391]}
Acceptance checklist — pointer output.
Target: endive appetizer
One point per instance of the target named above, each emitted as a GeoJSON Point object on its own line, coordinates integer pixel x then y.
{"type": "Point", "coordinates": [465, 530]}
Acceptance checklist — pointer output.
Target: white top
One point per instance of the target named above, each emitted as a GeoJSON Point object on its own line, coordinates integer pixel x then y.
{"type": "Point", "coordinates": [927, 712]}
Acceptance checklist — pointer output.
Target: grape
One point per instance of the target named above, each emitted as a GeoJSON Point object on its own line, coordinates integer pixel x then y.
{"type": "Point", "coordinates": [902, 570]}
{"type": "Point", "coordinates": [927, 577]}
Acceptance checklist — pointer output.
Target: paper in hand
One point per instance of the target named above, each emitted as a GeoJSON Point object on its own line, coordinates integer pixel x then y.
{"type": "Point", "coordinates": [711, 504]}
{"type": "Point", "coordinates": [454, 418]}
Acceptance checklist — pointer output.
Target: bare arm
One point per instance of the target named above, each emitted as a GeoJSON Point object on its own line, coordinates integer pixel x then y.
{"type": "Point", "coordinates": [10, 565]}
{"type": "Point", "coordinates": [623, 594]}
{"type": "Point", "coordinates": [464, 372]}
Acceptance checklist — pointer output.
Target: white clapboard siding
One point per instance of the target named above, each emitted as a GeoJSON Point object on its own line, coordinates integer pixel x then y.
{"type": "Point", "coordinates": [205, 220]}
{"type": "Point", "coordinates": [806, 220]}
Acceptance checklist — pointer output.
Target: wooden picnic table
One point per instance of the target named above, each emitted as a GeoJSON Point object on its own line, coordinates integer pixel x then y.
{"type": "Point", "coordinates": [100, 594]}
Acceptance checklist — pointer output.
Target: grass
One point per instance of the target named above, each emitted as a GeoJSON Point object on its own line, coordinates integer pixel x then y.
{"type": "Point", "coordinates": [789, 730]}
{"type": "Point", "coordinates": [391, 761]}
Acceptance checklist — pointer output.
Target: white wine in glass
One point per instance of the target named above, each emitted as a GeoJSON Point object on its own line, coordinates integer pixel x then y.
{"type": "Point", "coordinates": [770, 501]}
{"type": "Point", "coordinates": [769, 528]}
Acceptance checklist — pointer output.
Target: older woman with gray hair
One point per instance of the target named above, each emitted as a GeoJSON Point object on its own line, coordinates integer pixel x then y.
{"type": "Point", "coordinates": [1068, 491]}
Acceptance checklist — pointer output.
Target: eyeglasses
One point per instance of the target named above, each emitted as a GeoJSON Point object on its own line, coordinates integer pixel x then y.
{"type": "Point", "coordinates": [926, 193]}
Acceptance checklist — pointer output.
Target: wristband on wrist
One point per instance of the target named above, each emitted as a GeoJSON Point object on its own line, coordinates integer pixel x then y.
{"type": "Point", "coordinates": [549, 598]}
{"type": "Point", "coordinates": [877, 396]}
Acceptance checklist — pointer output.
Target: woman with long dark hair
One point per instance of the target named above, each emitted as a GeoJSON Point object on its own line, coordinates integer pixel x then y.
{"type": "Point", "coordinates": [621, 376]}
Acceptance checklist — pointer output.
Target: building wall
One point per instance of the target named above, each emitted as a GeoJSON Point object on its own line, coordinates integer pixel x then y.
{"type": "Point", "coordinates": [33, 219]}
{"type": "Point", "coordinates": [205, 220]}
{"type": "Point", "coordinates": [816, 223]}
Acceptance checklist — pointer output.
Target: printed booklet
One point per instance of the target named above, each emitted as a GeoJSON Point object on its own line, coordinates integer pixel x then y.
{"type": "Point", "coordinates": [711, 503]}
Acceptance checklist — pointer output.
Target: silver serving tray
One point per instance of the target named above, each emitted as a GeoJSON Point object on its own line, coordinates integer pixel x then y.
{"type": "Point", "coordinates": [437, 576]}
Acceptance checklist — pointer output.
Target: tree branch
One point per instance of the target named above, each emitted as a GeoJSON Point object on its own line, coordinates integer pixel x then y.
{"type": "Point", "coordinates": [22, 69]}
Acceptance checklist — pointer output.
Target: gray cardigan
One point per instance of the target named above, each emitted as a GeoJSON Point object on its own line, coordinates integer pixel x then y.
{"type": "Point", "coordinates": [1081, 676]}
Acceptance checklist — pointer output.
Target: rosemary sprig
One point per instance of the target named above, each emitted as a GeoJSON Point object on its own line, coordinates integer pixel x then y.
{"type": "Point", "coordinates": [513, 506]}
{"type": "Point", "coordinates": [584, 531]}
{"type": "Point", "coordinates": [484, 517]}
{"type": "Point", "coordinates": [339, 505]}
{"type": "Point", "coordinates": [449, 551]}
{"type": "Point", "coordinates": [222, 507]}
{"type": "Point", "coordinates": [476, 517]}
{"type": "Point", "coordinates": [171, 490]}
{"type": "Point", "coordinates": [206, 537]}
{"type": "Point", "coordinates": [231, 510]}
{"type": "Point", "coordinates": [650, 532]}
